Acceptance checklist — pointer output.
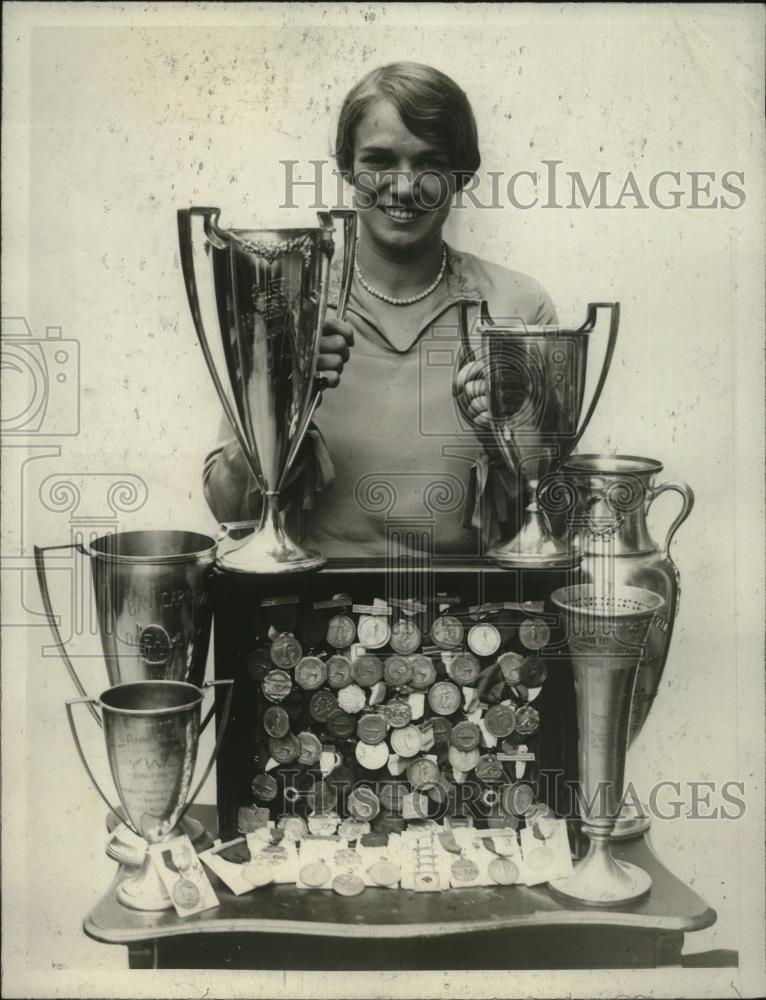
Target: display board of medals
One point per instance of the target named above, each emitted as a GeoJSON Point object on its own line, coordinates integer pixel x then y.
{"type": "Point", "coordinates": [389, 712]}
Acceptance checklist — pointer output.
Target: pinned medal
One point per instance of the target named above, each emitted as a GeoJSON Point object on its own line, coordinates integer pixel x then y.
{"type": "Point", "coordinates": [373, 631]}
{"type": "Point", "coordinates": [391, 795]}
{"type": "Point", "coordinates": [341, 631]}
{"type": "Point", "coordinates": [348, 884]}
{"type": "Point", "coordinates": [423, 672]}
{"type": "Point", "coordinates": [371, 756]}
{"type": "Point", "coordinates": [398, 713]}
{"type": "Point", "coordinates": [185, 894]}
{"type": "Point", "coordinates": [444, 698]}
{"type": "Point", "coordinates": [489, 769]}
{"type": "Point", "coordinates": [367, 668]}
{"type": "Point", "coordinates": [511, 667]}
{"type": "Point", "coordinates": [339, 672]}
{"type": "Point", "coordinates": [463, 760]}
{"type": "Point", "coordinates": [464, 870]}
{"type": "Point", "coordinates": [258, 873]}
{"type": "Point", "coordinates": [310, 673]}
{"type": "Point", "coordinates": [341, 724]}
{"type": "Point", "coordinates": [500, 720]}
{"type": "Point", "coordinates": [285, 651]}
{"type": "Point", "coordinates": [385, 874]}
{"type": "Point", "coordinates": [372, 729]}
{"type": "Point", "coordinates": [351, 699]}
{"type": "Point", "coordinates": [464, 668]}
{"type": "Point", "coordinates": [397, 671]}
{"type": "Point", "coordinates": [323, 704]}
{"type": "Point", "coordinates": [465, 736]}
{"type": "Point", "coordinates": [276, 685]}
{"type": "Point", "coordinates": [286, 749]}
{"type": "Point", "coordinates": [447, 632]}
{"type": "Point", "coordinates": [534, 633]}
{"type": "Point", "coordinates": [407, 742]}
{"type": "Point", "coordinates": [422, 773]}
{"type": "Point", "coordinates": [503, 871]}
{"type": "Point", "coordinates": [527, 720]}
{"type": "Point", "coordinates": [315, 874]}
{"type": "Point", "coordinates": [264, 787]}
{"type": "Point", "coordinates": [405, 637]}
{"type": "Point", "coordinates": [534, 672]}
{"type": "Point", "coordinates": [276, 721]}
{"type": "Point", "coordinates": [484, 639]}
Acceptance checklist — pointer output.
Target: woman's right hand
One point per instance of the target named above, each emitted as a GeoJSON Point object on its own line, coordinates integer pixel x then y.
{"type": "Point", "coordinates": [334, 350]}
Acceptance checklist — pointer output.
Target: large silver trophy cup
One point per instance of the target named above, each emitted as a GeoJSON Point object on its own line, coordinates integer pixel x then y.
{"type": "Point", "coordinates": [151, 732]}
{"type": "Point", "coordinates": [271, 290]}
{"type": "Point", "coordinates": [535, 392]}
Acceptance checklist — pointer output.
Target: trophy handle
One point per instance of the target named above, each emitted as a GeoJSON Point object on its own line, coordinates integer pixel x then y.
{"type": "Point", "coordinates": [587, 327]}
{"type": "Point", "coordinates": [210, 216]}
{"type": "Point", "coordinates": [42, 580]}
{"type": "Point", "coordinates": [687, 502]}
{"type": "Point", "coordinates": [91, 703]}
{"type": "Point", "coordinates": [219, 739]}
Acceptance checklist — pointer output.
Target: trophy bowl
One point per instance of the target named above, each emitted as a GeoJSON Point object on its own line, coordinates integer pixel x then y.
{"type": "Point", "coordinates": [270, 288]}
{"type": "Point", "coordinates": [151, 732]}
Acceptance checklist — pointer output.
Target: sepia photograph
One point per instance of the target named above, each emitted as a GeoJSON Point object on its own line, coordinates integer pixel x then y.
{"type": "Point", "coordinates": [383, 540]}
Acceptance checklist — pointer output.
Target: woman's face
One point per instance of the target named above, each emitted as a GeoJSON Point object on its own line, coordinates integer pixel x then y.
{"type": "Point", "coordinates": [404, 186]}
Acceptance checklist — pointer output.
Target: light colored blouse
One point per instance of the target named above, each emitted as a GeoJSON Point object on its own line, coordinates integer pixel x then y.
{"type": "Point", "coordinates": [391, 464]}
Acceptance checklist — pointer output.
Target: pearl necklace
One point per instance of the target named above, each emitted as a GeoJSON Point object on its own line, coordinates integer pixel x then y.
{"type": "Point", "coordinates": [390, 299]}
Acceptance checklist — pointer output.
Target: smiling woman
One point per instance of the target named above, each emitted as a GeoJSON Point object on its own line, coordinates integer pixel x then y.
{"type": "Point", "coordinates": [391, 439]}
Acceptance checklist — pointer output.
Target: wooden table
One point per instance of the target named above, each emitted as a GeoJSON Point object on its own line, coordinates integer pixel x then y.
{"type": "Point", "coordinates": [281, 927]}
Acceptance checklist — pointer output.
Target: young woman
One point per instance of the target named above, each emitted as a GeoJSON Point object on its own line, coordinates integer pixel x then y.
{"type": "Point", "coordinates": [391, 461]}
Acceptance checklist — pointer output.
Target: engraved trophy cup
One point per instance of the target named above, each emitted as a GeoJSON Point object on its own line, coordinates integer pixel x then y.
{"type": "Point", "coordinates": [151, 591]}
{"type": "Point", "coordinates": [606, 631]}
{"type": "Point", "coordinates": [535, 391]}
{"type": "Point", "coordinates": [271, 291]}
{"type": "Point", "coordinates": [151, 731]}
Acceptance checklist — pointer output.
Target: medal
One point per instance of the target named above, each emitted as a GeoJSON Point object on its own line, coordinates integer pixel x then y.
{"type": "Point", "coordinates": [286, 749]}
{"type": "Point", "coordinates": [527, 720]}
{"type": "Point", "coordinates": [322, 797]}
{"type": "Point", "coordinates": [310, 673]}
{"type": "Point", "coordinates": [385, 874]}
{"type": "Point", "coordinates": [489, 768]}
{"type": "Point", "coordinates": [423, 671]}
{"type": "Point", "coordinates": [264, 787]}
{"type": "Point", "coordinates": [444, 698]}
{"type": "Point", "coordinates": [346, 858]}
{"type": "Point", "coordinates": [540, 858]}
{"type": "Point", "coordinates": [391, 795]}
{"type": "Point", "coordinates": [463, 760]}
{"type": "Point", "coordinates": [407, 742]}
{"type": "Point", "coordinates": [503, 871]}
{"type": "Point", "coordinates": [257, 873]}
{"type": "Point", "coordinates": [511, 666]}
{"type": "Point", "coordinates": [323, 704]}
{"type": "Point", "coordinates": [348, 884]}
{"type": "Point", "coordinates": [276, 685]}
{"type": "Point", "coordinates": [447, 632]}
{"type": "Point", "coordinates": [372, 756]}
{"type": "Point", "coordinates": [397, 671]}
{"type": "Point", "coordinates": [315, 874]}
{"type": "Point", "coordinates": [341, 724]}
{"type": "Point", "coordinates": [185, 894]}
{"type": "Point", "coordinates": [363, 803]}
{"type": "Point", "coordinates": [372, 728]}
{"type": "Point", "coordinates": [338, 671]}
{"type": "Point", "coordinates": [310, 749]}
{"type": "Point", "coordinates": [441, 729]}
{"type": "Point", "coordinates": [534, 633]}
{"type": "Point", "coordinates": [534, 672]}
{"type": "Point", "coordinates": [464, 870]}
{"type": "Point", "coordinates": [405, 637]}
{"type": "Point", "coordinates": [373, 631]}
{"type": "Point", "coordinates": [285, 651]}
{"type": "Point", "coordinates": [465, 668]}
{"type": "Point", "coordinates": [500, 720]}
{"type": "Point", "coordinates": [465, 736]}
{"type": "Point", "coordinates": [517, 799]}
{"type": "Point", "coordinates": [422, 772]}
{"type": "Point", "coordinates": [351, 699]}
{"type": "Point", "coordinates": [276, 721]}
{"type": "Point", "coordinates": [341, 631]}
{"type": "Point", "coordinates": [367, 668]}
{"type": "Point", "coordinates": [294, 827]}
{"type": "Point", "coordinates": [484, 639]}
{"type": "Point", "coordinates": [398, 713]}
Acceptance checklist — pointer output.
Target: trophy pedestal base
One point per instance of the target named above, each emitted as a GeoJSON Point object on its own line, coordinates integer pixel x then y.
{"type": "Point", "coordinates": [594, 884]}
{"type": "Point", "coordinates": [535, 547]}
{"type": "Point", "coordinates": [126, 848]}
{"type": "Point", "coordinates": [145, 891]}
{"type": "Point", "coordinates": [269, 551]}
{"type": "Point", "coordinates": [631, 823]}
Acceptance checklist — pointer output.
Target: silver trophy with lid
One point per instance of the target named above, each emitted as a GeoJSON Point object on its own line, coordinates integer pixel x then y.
{"type": "Point", "coordinates": [270, 293]}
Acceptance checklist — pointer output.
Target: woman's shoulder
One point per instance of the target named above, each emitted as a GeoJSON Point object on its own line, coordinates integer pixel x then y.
{"type": "Point", "coordinates": [508, 293]}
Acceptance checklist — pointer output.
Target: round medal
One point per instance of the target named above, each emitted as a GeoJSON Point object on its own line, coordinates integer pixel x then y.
{"type": "Point", "coordinates": [534, 633]}
{"type": "Point", "coordinates": [351, 699]}
{"type": "Point", "coordinates": [276, 685]}
{"type": "Point", "coordinates": [363, 803]}
{"type": "Point", "coordinates": [276, 721]}
{"type": "Point", "coordinates": [371, 728]}
{"type": "Point", "coordinates": [257, 873]}
{"type": "Point", "coordinates": [285, 651]}
{"type": "Point", "coordinates": [295, 828]}
{"type": "Point", "coordinates": [323, 704]}
{"type": "Point", "coordinates": [286, 749]}
{"type": "Point", "coordinates": [463, 760]}
{"type": "Point", "coordinates": [347, 884]}
{"type": "Point", "coordinates": [310, 749]}
{"type": "Point", "coordinates": [315, 874]}
{"type": "Point", "coordinates": [447, 632]}
{"type": "Point", "coordinates": [444, 698]}
{"type": "Point", "coordinates": [511, 666]}
{"type": "Point", "coordinates": [322, 797]}
{"type": "Point", "coordinates": [373, 631]}
{"type": "Point", "coordinates": [185, 894]}
{"type": "Point", "coordinates": [489, 768]}
{"type": "Point", "coordinates": [405, 637]}
{"type": "Point", "coordinates": [264, 787]}
{"type": "Point", "coordinates": [367, 669]}
{"type": "Point", "coordinates": [398, 713]}
{"type": "Point", "coordinates": [341, 724]}
{"type": "Point", "coordinates": [534, 672]}
{"type": "Point", "coordinates": [310, 673]}
{"type": "Point", "coordinates": [392, 794]}
{"type": "Point", "coordinates": [397, 671]}
{"type": "Point", "coordinates": [423, 671]}
{"type": "Point", "coordinates": [539, 858]}
{"type": "Point", "coordinates": [441, 729]}
{"type": "Point", "coordinates": [407, 742]}
{"type": "Point", "coordinates": [338, 672]}
{"type": "Point", "coordinates": [503, 871]}
{"type": "Point", "coordinates": [484, 639]}
{"type": "Point", "coordinates": [385, 874]}
{"type": "Point", "coordinates": [464, 870]}
{"type": "Point", "coordinates": [465, 736]}
{"type": "Point", "coordinates": [372, 756]}
{"type": "Point", "coordinates": [422, 773]}
{"type": "Point", "coordinates": [517, 799]}
{"type": "Point", "coordinates": [341, 631]}
{"type": "Point", "coordinates": [527, 720]}
{"type": "Point", "coordinates": [465, 668]}
{"type": "Point", "coordinates": [500, 720]}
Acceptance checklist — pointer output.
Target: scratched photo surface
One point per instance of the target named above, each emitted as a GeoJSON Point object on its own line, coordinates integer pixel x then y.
{"type": "Point", "coordinates": [622, 160]}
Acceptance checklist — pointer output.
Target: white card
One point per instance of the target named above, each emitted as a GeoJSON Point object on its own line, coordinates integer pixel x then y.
{"type": "Point", "coordinates": [183, 876]}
